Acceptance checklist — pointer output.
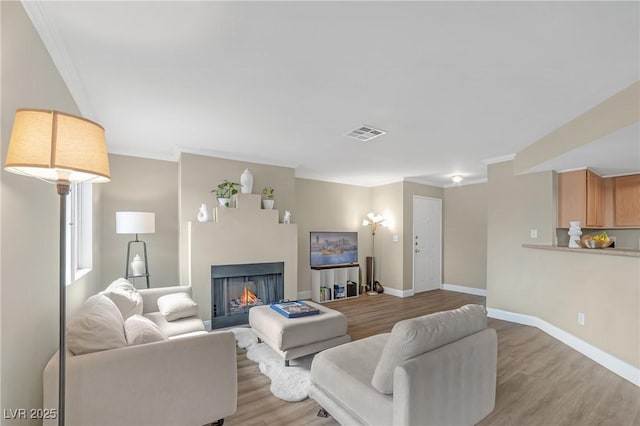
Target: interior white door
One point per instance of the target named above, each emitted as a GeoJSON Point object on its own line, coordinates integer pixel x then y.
{"type": "Point", "coordinates": [427, 243]}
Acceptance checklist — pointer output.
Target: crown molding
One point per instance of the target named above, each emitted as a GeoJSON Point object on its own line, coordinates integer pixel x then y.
{"type": "Point", "coordinates": [466, 182]}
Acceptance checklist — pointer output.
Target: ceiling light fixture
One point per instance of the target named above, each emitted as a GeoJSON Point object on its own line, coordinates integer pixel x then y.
{"type": "Point", "coordinates": [457, 178]}
{"type": "Point", "coordinates": [365, 133]}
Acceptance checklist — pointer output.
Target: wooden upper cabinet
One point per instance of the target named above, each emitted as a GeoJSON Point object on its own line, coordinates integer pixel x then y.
{"type": "Point", "coordinates": [572, 198]}
{"type": "Point", "coordinates": [581, 198]}
{"type": "Point", "coordinates": [627, 200]}
{"type": "Point", "coordinates": [595, 199]}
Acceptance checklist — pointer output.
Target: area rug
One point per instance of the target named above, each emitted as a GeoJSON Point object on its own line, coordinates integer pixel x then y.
{"type": "Point", "coordinates": [287, 383]}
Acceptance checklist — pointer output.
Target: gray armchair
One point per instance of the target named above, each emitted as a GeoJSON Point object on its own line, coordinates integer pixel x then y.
{"type": "Point", "coordinates": [438, 369]}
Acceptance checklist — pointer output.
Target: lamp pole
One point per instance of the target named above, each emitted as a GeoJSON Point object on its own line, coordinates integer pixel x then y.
{"type": "Point", "coordinates": [62, 187]}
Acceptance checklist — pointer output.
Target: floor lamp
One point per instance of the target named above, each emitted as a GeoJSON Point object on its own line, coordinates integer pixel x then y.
{"type": "Point", "coordinates": [374, 221]}
{"type": "Point", "coordinates": [136, 223]}
{"type": "Point", "coordinates": [58, 148]}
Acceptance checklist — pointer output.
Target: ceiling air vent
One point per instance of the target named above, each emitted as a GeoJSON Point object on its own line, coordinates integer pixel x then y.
{"type": "Point", "coordinates": [365, 133]}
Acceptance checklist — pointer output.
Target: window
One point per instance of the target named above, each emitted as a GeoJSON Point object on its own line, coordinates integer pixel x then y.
{"type": "Point", "coordinates": [79, 231]}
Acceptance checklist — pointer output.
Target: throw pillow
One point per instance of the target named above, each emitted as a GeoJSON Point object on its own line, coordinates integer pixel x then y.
{"type": "Point", "coordinates": [97, 326]}
{"type": "Point", "coordinates": [140, 330]}
{"type": "Point", "coordinates": [412, 337]}
{"type": "Point", "coordinates": [177, 305]}
{"type": "Point", "coordinates": [125, 296]}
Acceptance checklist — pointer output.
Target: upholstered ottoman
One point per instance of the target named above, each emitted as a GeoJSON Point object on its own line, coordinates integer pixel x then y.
{"type": "Point", "coordinates": [296, 337]}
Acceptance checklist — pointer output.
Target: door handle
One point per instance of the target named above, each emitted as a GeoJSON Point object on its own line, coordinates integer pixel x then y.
{"type": "Point", "coordinates": [417, 250]}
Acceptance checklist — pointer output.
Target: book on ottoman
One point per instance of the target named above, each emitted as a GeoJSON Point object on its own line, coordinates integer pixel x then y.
{"type": "Point", "coordinates": [294, 309]}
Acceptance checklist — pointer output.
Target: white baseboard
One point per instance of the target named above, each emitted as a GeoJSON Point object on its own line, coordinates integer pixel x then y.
{"type": "Point", "coordinates": [398, 293]}
{"type": "Point", "coordinates": [302, 295]}
{"type": "Point", "coordinates": [463, 289]}
{"type": "Point", "coordinates": [610, 362]}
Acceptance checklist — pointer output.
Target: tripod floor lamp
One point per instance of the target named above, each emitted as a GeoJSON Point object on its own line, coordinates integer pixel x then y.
{"type": "Point", "coordinates": [136, 223]}
{"type": "Point", "coordinates": [58, 148]}
{"type": "Point", "coordinates": [375, 221]}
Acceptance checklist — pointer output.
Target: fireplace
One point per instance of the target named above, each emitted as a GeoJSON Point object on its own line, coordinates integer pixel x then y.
{"type": "Point", "coordinates": [237, 288]}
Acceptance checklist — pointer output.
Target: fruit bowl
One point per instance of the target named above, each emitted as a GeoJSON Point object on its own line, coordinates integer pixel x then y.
{"type": "Point", "coordinates": [594, 244]}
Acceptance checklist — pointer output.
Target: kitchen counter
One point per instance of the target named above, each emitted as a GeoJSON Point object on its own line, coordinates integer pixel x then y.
{"type": "Point", "coordinates": [605, 251]}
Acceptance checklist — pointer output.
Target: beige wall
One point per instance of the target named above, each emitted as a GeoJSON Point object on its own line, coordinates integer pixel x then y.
{"type": "Point", "coordinates": [556, 286]}
{"type": "Point", "coordinates": [139, 184]}
{"type": "Point", "coordinates": [198, 175]}
{"type": "Point", "coordinates": [387, 200]}
{"type": "Point", "coordinates": [325, 206]}
{"type": "Point", "coordinates": [29, 214]}
{"type": "Point", "coordinates": [465, 236]}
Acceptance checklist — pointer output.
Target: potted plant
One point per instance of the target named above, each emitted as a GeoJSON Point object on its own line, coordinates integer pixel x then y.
{"type": "Point", "coordinates": [225, 191]}
{"type": "Point", "coordinates": [267, 193]}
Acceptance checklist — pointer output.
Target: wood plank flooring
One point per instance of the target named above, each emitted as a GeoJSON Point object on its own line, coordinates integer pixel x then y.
{"type": "Point", "coordinates": [541, 381]}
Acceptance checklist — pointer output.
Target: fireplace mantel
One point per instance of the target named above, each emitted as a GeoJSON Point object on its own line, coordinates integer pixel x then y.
{"type": "Point", "coordinates": [247, 234]}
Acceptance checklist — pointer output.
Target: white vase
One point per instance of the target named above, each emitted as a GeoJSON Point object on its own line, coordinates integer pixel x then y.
{"type": "Point", "coordinates": [224, 202]}
{"type": "Point", "coordinates": [203, 214]}
{"type": "Point", "coordinates": [137, 265]}
{"type": "Point", "coordinates": [267, 204]}
{"type": "Point", "coordinates": [574, 234]}
{"type": "Point", "coordinates": [246, 182]}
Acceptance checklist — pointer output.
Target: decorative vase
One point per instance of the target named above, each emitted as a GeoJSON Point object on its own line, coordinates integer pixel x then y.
{"type": "Point", "coordinates": [224, 202]}
{"type": "Point", "coordinates": [137, 265]}
{"type": "Point", "coordinates": [287, 217]}
{"type": "Point", "coordinates": [203, 214]}
{"type": "Point", "coordinates": [246, 182]}
{"type": "Point", "coordinates": [267, 204]}
{"type": "Point", "coordinates": [574, 234]}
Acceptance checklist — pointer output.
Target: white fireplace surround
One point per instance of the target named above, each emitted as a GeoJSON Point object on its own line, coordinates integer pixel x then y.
{"type": "Point", "coordinates": [241, 235]}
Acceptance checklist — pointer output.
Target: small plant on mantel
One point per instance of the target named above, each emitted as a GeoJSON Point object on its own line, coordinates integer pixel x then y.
{"type": "Point", "coordinates": [267, 193]}
{"type": "Point", "coordinates": [225, 190]}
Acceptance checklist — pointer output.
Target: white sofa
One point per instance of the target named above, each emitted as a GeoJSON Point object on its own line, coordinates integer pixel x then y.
{"type": "Point", "coordinates": [188, 379]}
{"type": "Point", "coordinates": [438, 369]}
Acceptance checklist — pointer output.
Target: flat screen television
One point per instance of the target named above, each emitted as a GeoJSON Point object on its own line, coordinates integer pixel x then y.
{"type": "Point", "coordinates": [333, 249]}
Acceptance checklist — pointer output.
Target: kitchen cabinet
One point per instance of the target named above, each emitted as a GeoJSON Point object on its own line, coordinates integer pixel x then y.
{"type": "Point", "coordinates": [581, 198]}
{"type": "Point", "coordinates": [627, 200]}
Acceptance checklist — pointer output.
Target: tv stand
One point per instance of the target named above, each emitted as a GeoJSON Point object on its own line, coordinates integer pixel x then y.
{"type": "Point", "coordinates": [334, 283]}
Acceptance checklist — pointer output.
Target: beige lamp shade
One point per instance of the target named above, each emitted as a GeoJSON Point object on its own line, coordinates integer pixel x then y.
{"type": "Point", "coordinates": [57, 146]}
{"type": "Point", "coordinates": [135, 223]}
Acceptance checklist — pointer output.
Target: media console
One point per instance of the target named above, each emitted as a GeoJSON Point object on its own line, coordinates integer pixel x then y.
{"type": "Point", "coordinates": [335, 283]}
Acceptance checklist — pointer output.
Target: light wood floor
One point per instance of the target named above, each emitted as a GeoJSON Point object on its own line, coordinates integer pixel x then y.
{"type": "Point", "coordinates": [540, 380]}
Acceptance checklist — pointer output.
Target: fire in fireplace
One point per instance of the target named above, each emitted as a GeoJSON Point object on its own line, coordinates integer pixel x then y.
{"type": "Point", "coordinates": [237, 288]}
{"type": "Point", "coordinates": [246, 300]}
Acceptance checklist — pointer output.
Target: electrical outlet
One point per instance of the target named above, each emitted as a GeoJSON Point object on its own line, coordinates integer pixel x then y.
{"type": "Point", "coordinates": [580, 318]}
{"type": "Point", "coordinates": [533, 233]}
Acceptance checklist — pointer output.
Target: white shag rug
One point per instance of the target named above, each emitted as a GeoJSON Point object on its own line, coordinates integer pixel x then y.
{"type": "Point", "coordinates": [287, 383]}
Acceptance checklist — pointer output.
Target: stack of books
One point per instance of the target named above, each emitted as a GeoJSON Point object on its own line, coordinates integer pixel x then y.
{"type": "Point", "coordinates": [294, 309]}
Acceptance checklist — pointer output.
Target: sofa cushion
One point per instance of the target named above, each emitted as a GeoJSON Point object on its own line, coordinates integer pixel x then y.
{"type": "Point", "coordinates": [175, 328]}
{"type": "Point", "coordinates": [139, 330]}
{"type": "Point", "coordinates": [125, 296]}
{"type": "Point", "coordinates": [97, 326]}
{"type": "Point", "coordinates": [177, 305]}
{"type": "Point", "coordinates": [416, 336]}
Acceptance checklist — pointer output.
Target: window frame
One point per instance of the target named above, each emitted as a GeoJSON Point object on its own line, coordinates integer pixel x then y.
{"type": "Point", "coordinates": [79, 231]}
